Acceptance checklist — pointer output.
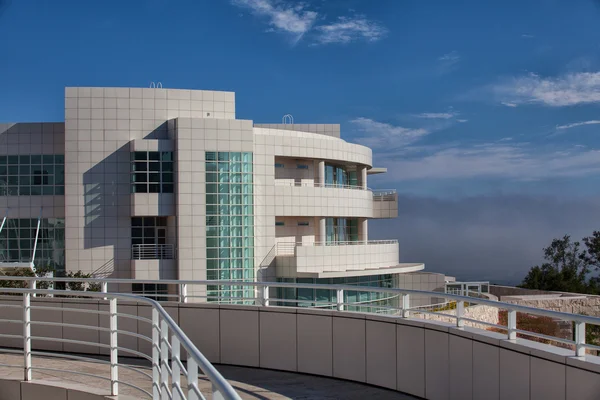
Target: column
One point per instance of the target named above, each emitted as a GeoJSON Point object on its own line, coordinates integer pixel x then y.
{"type": "Point", "coordinates": [363, 230]}
{"type": "Point", "coordinates": [321, 173]}
{"type": "Point", "coordinates": [322, 230]}
{"type": "Point", "coordinates": [363, 177]}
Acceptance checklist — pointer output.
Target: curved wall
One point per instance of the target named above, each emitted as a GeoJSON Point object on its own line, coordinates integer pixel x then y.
{"type": "Point", "coordinates": [422, 358]}
{"type": "Point", "coordinates": [310, 201]}
{"type": "Point", "coordinates": [285, 143]}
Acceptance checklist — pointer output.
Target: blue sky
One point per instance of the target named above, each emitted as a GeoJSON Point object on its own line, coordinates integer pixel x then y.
{"type": "Point", "coordinates": [460, 100]}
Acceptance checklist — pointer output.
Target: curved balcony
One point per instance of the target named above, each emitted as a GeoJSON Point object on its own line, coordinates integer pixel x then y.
{"type": "Point", "coordinates": [309, 199]}
{"type": "Point", "coordinates": [385, 203]}
{"type": "Point", "coordinates": [340, 259]}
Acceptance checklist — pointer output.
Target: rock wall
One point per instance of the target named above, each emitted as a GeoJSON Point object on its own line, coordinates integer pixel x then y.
{"type": "Point", "coordinates": [479, 312]}
{"type": "Point", "coordinates": [589, 305]}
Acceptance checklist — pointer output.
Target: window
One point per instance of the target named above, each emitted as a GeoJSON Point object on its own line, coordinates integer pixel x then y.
{"type": "Point", "coordinates": [145, 230]}
{"type": "Point", "coordinates": [152, 172]}
{"type": "Point", "coordinates": [341, 230]}
{"type": "Point", "coordinates": [151, 290]}
{"type": "Point", "coordinates": [340, 176]}
{"type": "Point", "coordinates": [28, 175]}
{"type": "Point", "coordinates": [279, 223]}
{"type": "Point", "coordinates": [229, 224]}
{"type": "Point", "coordinates": [17, 240]}
{"type": "Point", "coordinates": [279, 165]}
{"type": "Point", "coordinates": [303, 223]}
{"type": "Point", "coordinates": [301, 166]}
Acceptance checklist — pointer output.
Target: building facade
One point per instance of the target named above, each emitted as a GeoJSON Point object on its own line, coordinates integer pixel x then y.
{"type": "Point", "coordinates": [159, 183]}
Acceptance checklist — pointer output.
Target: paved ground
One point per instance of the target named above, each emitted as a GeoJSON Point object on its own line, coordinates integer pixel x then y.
{"type": "Point", "coordinates": [251, 383]}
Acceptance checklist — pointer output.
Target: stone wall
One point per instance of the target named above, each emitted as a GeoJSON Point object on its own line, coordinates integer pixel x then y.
{"type": "Point", "coordinates": [479, 312]}
{"type": "Point", "coordinates": [589, 305]}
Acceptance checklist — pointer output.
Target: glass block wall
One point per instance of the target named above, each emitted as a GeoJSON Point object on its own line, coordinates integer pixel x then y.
{"type": "Point", "coordinates": [229, 224]}
{"type": "Point", "coordinates": [32, 175]}
{"type": "Point", "coordinates": [18, 237]}
{"type": "Point", "coordinates": [355, 301]}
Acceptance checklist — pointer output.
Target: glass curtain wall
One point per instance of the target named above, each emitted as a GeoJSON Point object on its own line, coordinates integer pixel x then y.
{"type": "Point", "coordinates": [360, 301]}
{"type": "Point", "coordinates": [336, 175]}
{"type": "Point", "coordinates": [341, 230]}
{"type": "Point", "coordinates": [32, 175]}
{"type": "Point", "coordinates": [17, 240]}
{"type": "Point", "coordinates": [229, 224]}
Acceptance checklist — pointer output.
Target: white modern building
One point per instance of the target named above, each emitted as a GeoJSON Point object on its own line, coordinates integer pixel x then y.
{"type": "Point", "coordinates": [152, 183]}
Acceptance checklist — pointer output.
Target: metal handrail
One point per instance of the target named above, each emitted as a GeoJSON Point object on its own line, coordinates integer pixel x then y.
{"type": "Point", "coordinates": [404, 310]}
{"type": "Point", "coordinates": [163, 352]}
{"type": "Point", "coordinates": [152, 252]}
{"type": "Point", "coordinates": [286, 182]}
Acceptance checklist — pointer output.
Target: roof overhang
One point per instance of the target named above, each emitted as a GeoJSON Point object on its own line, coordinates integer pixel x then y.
{"type": "Point", "coordinates": [396, 269]}
{"type": "Point", "coordinates": [374, 171]}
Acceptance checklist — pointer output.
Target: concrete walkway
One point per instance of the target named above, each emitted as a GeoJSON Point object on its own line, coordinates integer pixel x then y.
{"type": "Point", "coordinates": [251, 383]}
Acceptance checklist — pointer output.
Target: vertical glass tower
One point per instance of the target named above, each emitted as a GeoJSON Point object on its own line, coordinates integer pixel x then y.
{"type": "Point", "coordinates": [229, 223]}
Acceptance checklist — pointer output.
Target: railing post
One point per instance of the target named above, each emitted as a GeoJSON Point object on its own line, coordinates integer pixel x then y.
{"type": "Point", "coordinates": [265, 296]}
{"type": "Point", "coordinates": [104, 288]}
{"type": "Point", "coordinates": [175, 370]}
{"type": "Point", "coordinates": [192, 379]}
{"type": "Point", "coordinates": [405, 306]}
{"type": "Point", "coordinates": [460, 311]}
{"type": "Point", "coordinates": [33, 286]}
{"type": "Point", "coordinates": [216, 395]}
{"type": "Point", "coordinates": [156, 389]}
{"type": "Point", "coordinates": [183, 291]}
{"type": "Point", "coordinates": [164, 359]}
{"type": "Point", "coordinates": [27, 336]}
{"type": "Point", "coordinates": [114, 349]}
{"type": "Point", "coordinates": [512, 325]}
{"type": "Point", "coordinates": [340, 299]}
{"type": "Point", "coordinates": [580, 339]}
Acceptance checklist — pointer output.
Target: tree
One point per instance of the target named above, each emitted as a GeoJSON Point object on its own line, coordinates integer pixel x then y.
{"type": "Point", "coordinates": [567, 267]}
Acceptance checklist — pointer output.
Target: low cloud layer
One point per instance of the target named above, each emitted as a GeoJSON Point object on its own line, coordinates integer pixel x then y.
{"type": "Point", "coordinates": [484, 238]}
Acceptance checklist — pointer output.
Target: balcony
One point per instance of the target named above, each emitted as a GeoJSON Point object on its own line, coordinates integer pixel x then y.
{"type": "Point", "coordinates": [339, 259]}
{"type": "Point", "coordinates": [153, 261]}
{"type": "Point", "coordinates": [385, 203]}
{"type": "Point", "coordinates": [307, 198]}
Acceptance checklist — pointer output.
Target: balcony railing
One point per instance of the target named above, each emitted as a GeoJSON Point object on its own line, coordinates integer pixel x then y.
{"type": "Point", "coordinates": [152, 252]}
{"type": "Point", "coordinates": [287, 248]}
{"type": "Point", "coordinates": [288, 182]}
{"type": "Point", "coordinates": [262, 297]}
{"type": "Point", "coordinates": [169, 344]}
{"type": "Point", "coordinates": [384, 195]}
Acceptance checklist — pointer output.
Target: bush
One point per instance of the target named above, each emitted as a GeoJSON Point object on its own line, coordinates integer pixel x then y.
{"type": "Point", "coordinates": [530, 323]}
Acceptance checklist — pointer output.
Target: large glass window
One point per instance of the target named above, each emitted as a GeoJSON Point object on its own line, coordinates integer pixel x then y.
{"type": "Point", "coordinates": [32, 175]}
{"type": "Point", "coordinates": [229, 223]}
{"type": "Point", "coordinates": [341, 230]}
{"type": "Point", "coordinates": [152, 172]}
{"type": "Point", "coordinates": [148, 230]}
{"type": "Point", "coordinates": [354, 300]}
{"type": "Point", "coordinates": [336, 175]}
{"type": "Point", "coordinates": [17, 240]}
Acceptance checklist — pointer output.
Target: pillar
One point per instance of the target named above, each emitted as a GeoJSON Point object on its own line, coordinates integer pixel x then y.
{"type": "Point", "coordinates": [322, 230]}
{"type": "Point", "coordinates": [321, 173]}
{"type": "Point", "coordinates": [363, 230]}
{"type": "Point", "coordinates": [363, 177]}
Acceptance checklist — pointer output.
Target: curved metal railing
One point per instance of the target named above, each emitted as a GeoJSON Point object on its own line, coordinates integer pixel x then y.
{"type": "Point", "coordinates": [168, 343]}
{"type": "Point", "coordinates": [265, 294]}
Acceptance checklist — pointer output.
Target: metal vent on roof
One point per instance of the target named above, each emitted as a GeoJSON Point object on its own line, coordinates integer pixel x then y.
{"type": "Point", "coordinates": [287, 119]}
{"type": "Point", "coordinates": [157, 85]}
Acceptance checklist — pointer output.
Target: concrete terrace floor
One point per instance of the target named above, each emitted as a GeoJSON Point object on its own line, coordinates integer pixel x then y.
{"type": "Point", "coordinates": [251, 383]}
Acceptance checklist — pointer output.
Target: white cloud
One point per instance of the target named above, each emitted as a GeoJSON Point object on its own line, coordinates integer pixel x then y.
{"type": "Point", "coordinates": [566, 90]}
{"type": "Point", "coordinates": [576, 124]}
{"type": "Point", "coordinates": [507, 104]}
{"type": "Point", "coordinates": [381, 135]}
{"type": "Point", "coordinates": [462, 120]}
{"type": "Point", "coordinates": [516, 161]}
{"type": "Point", "coordinates": [446, 115]}
{"type": "Point", "coordinates": [285, 17]}
{"type": "Point", "coordinates": [350, 29]}
{"type": "Point", "coordinates": [296, 19]}
{"type": "Point", "coordinates": [527, 36]}
{"type": "Point", "coordinates": [448, 62]}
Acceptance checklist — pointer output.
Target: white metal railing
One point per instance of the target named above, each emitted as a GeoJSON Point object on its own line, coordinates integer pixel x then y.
{"type": "Point", "coordinates": [288, 248]}
{"type": "Point", "coordinates": [291, 182]}
{"type": "Point", "coordinates": [263, 296]}
{"type": "Point", "coordinates": [167, 342]}
{"type": "Point", "coordinates": [152, 252]}
{"type": "Point", "coordinates": [384, 195]}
